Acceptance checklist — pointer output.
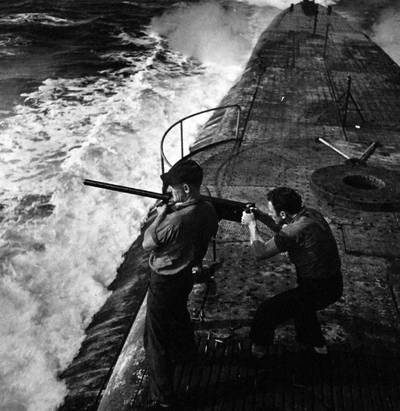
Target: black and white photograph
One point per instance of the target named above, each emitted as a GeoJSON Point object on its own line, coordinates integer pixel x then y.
{"type": "Point", "coordinates": [200, 205]}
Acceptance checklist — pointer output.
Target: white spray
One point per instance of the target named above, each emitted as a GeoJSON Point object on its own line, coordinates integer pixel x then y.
{"type": "Point", "coordinates": [55, 270]}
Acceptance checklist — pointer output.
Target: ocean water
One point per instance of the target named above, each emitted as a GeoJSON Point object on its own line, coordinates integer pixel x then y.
{"type": "Point", "coordinates": [87, 89]}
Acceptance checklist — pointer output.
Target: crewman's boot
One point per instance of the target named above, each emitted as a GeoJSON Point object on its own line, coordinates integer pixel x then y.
{"type": "Point", "coordinates": [321, 350]}
{"type": "Point", "coordinates": [316, 349]}
{"type": "Point", "coordinates": [258, 351]}
{"type": "Point", "coordinates": [157, 406]}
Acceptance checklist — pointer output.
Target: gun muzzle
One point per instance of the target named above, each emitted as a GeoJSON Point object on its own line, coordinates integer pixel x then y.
{"type": "Point", "coordinates": [249, 207]}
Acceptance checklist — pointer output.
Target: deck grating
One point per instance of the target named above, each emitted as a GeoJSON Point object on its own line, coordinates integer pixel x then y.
{"type": "Point", "coordinates": [226, 377]}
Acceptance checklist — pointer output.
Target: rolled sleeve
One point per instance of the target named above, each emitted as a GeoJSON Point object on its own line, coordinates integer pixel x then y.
{"type": "Point", "coordinates": [153, 235]}
{"type": "Point", "coordinates": [166, 233]}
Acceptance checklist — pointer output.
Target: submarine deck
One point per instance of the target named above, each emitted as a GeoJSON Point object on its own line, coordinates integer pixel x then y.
{"type": "Point", "coordinates": [292, 92]}
{"type": "Point", "coordinates": [225, 377]}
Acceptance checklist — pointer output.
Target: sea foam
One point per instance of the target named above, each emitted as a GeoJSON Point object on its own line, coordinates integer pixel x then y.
{"type": "Point", "coordinates": [56, 265]}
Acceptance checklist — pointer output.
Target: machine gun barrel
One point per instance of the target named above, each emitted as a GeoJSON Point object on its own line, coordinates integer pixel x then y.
{"type": "Point", "coordinates": [226, 209]}
{"type": "Point", "coordinates": [128, 190]}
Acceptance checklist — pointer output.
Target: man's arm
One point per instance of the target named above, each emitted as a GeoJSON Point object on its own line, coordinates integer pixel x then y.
{"type": "Point", "coordinates": [266, 220]}
{"type": "Point", "coordinates": [261, 248]}
{"type": "Point", "coordinates": [149, 237]}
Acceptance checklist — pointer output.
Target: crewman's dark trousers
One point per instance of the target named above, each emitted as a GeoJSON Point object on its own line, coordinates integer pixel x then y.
{"type": "Point", "coordinates": [168, 333]}
{"type": "Point", "coordinates": [299, 304]}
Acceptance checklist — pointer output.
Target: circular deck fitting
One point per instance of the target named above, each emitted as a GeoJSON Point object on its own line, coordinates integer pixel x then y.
{"type": "Point", "coordinates": [358, 186]}
{"type": "Point", "coordinates": [364, 182]}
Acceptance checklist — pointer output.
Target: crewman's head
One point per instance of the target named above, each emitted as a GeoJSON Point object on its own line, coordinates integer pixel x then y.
{"type": "Point", "coordinates": [183, 180]}
{"type": "Point", "coordinates": [283, 203]}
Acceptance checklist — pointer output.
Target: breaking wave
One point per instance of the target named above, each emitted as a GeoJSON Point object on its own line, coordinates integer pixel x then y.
{"type": "Point", "coordinates": [61, 242]}
{"type": "Point", "coordinates": [40, 18]}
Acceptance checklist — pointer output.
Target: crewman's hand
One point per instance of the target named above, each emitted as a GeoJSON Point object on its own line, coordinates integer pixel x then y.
{"type": "Point", "coordinates": [248, 218]}
{"type": "Point", "coordinates": [162, 210]}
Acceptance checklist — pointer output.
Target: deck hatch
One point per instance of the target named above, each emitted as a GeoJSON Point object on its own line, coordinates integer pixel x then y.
{"type": "Point", "coordinates": [358, 186]}
{"type": "Point", "coordinates": [363, 182]}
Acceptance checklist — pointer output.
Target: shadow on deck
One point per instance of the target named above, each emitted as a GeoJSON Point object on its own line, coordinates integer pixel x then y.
{"type": "Point", "coordinates": [226, 377]}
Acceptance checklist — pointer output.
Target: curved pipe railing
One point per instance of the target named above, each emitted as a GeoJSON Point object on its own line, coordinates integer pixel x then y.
{"type": "Point", "coordinates": [180, 122]}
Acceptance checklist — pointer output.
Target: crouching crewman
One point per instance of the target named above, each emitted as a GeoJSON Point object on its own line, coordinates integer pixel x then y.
{"type": "Point", "coordinates": [311, 246]}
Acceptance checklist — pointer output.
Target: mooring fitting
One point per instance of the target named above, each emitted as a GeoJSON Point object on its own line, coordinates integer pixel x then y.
{"type": "Point", "coordinates": [328, 144]}
{"type": "Point", "coordinates": [361, 160]}
{"type": "Point", "coordinates": [369, 151]}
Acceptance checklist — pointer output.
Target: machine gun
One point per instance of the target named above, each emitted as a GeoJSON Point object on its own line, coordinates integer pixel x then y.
{"type": "Point", "coordinates": [226, 209]}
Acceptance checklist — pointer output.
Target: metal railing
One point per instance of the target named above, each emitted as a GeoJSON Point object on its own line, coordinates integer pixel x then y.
{"type": "Point", "coordinates": [164, 159]}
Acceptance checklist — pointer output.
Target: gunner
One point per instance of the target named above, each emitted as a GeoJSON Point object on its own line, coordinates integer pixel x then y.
{"type": "Point", "coordinates": [177, 239]}
{"type": "Point", "coordinates": [311, 247]}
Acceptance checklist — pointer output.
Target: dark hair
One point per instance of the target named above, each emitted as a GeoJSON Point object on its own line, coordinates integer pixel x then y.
{"type": "Point", "coordinates": [285, 199]}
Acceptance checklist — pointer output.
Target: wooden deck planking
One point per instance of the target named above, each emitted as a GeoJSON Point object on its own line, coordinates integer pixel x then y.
{"type": "Point", "coordinates": [224, 379]}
